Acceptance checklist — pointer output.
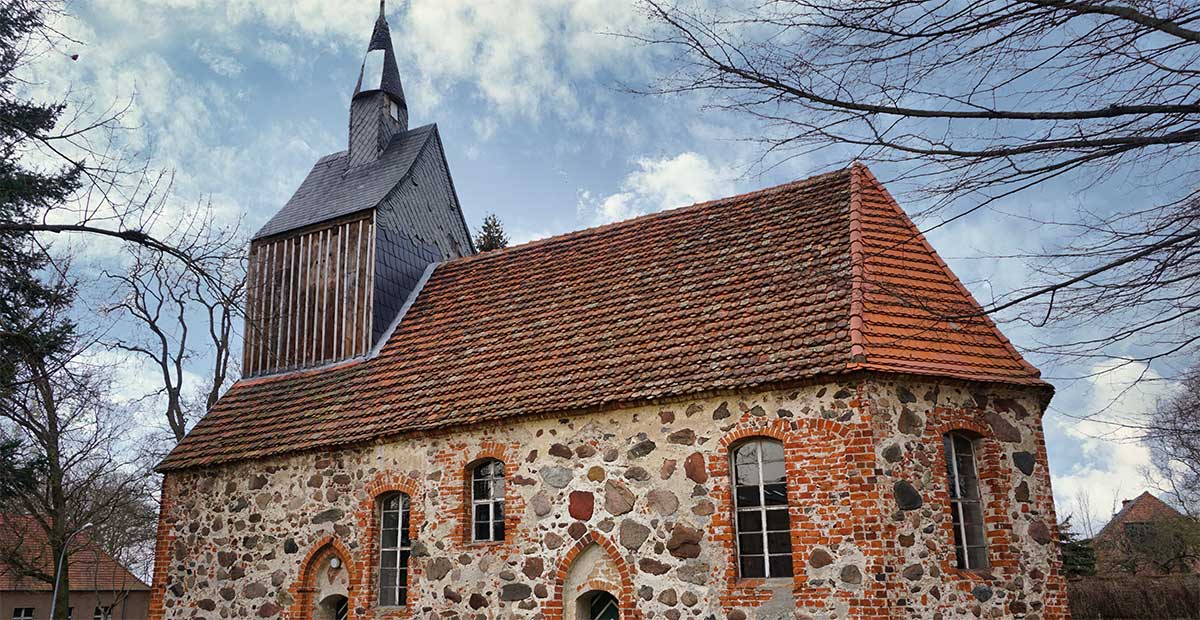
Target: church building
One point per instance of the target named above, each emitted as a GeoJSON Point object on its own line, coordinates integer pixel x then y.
{"type": "Point", "coordinates": [781, 404]}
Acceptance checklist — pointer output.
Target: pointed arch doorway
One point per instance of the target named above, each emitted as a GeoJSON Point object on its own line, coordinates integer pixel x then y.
{"type": "Point", "coordinates": [598, 605]}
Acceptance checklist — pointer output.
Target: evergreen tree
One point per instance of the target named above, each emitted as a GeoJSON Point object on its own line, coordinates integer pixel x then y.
{"type": "Point", "coordinates": [491, 235]}
{"type": "Point", "coordinates": [27, 303]}
{"type": "Point", "coordinates": [1078, 557]}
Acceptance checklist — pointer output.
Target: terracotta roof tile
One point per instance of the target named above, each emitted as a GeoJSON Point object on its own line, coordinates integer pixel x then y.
{"type": "Point", "coordinates": [818, 277]}
{"type": "Point", "coordinates": [89, 569]}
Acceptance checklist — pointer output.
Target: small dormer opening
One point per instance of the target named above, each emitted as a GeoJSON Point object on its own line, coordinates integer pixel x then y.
{"type": "Point", "coordinates": [394, 109]}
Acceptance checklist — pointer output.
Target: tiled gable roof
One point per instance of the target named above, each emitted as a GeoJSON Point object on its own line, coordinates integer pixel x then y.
{"type": "Point", "coordinates": [1145, 508]}
{"type": "Point", "coordinates": [811, 278]}
{"type": "Point", "coordinates": [89, 568]}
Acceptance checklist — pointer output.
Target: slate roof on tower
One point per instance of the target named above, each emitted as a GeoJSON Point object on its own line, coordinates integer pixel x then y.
{"type": "Point", "coordinates": [333, 188]}
{"type": "Point", "coordinates": [816, 278]}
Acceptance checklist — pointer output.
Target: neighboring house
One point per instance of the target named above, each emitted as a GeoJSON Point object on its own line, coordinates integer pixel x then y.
{"type": "Point", "coordinates": [1148, 537]}
{"type": "Point", "coordinates": [101, 588]}
{"type": "Point", "coordinates": [778, 404]}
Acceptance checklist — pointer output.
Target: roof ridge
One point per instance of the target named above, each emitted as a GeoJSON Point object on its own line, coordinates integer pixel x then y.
{"type": "Point", "coordinates": [858, 351]}
{"type": "Point", "coordinates": [669, 212]}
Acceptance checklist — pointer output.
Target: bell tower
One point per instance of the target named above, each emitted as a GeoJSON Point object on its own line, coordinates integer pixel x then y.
{"type": "Point", "coordinates": [378, 110]}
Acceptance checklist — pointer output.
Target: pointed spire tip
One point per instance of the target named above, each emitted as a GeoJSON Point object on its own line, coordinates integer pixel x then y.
{"type": "Point", "coordinates": [381, 9]}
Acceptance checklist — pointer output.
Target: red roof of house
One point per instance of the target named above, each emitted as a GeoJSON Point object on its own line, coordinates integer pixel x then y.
{"type": "Point", "coordinates": [823, 276]}
{"type": "Point", "coordinates": [1145, 508]}
{"type": "Point", "coordinates": [89, 568]}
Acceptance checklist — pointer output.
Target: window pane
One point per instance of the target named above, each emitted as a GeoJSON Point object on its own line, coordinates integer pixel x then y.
{"type": "Point", "coordinates": [498, 511]}
{"type": "Point", "coordinates": [752, 566]}
{"type": "Point", "coordinates": [388, 596]}
{"type": "Point", "coordinates": [750, 544]}
{"type": "Point", "coordinates": [749, 521]}
{"type": "Point", "coordinates": [387, 578]}
{"type": "Point", "coordinates": [747, 473]}
{"type": "Point", "coordinates": [388, 559]}
{"type": "Point", "coordinates": [482, 471]}
{"type": "Point", "coordinates": [775, 494]}
{"type": "Point", "coordinates": [773, 472]}
{"type": "Point", "coordinates": [781, 566]}
{"type": "Point", "coordinates": [978, 557]}
{"type": "Point", "coordinates": [780, 542]}
{"type": "Point", "coordinates": [391, 520]}
{"type": "Point", "coordinates": [483, 489]}
{"type": "Point", "coordinates": [482, 531]}
{"type": "Point", "coordinates": [391, 503]}
{"type": "Point", "coordinates": [746, 454]}
{"type": "Point", "coordinates": [777, 520]}
{"type": "Point", "coordinates": [498, 529]}
{"type": "Point", "coordinates": [390, 539]}
{"type": "Point", "coordinates": [483, 512]}
{"type": "Point", "coordinates": [772, 451]}
{"type": "Point", "coordinates": [747, 497]}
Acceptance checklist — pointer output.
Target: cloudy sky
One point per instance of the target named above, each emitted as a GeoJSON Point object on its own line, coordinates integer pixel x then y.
{"type": "Point", "coordinates": [240, 97]}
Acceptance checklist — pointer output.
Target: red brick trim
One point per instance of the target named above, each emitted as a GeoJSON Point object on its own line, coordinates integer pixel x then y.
{"type": "Point", "coordinates": [302, 588]}
{"type": "Point", "coordinates": [367, 518]}
{"type": "Point", "coordinates": [162, 547]}
{"type": "Point", "coordinates": [553, 609]}
{"type": "Point", "coordinates": [992, 473]}
{"type": "Point", "coordinates": [488, 450]}
{"type": "Point", "coordinates": [807, 469]}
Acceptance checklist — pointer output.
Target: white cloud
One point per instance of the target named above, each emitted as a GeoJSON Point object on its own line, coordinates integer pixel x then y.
{"type": "Point", "coordinates": [660, 184]}
{"type": "Point", "coordinates": [1114, 463]}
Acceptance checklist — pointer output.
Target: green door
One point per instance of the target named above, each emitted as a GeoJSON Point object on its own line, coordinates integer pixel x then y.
{"type": "Point", "coordinates": [603, 606]}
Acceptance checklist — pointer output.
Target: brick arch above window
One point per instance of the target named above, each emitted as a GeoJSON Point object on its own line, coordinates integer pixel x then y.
{"type": "Point", "coordinates": [367, 518]}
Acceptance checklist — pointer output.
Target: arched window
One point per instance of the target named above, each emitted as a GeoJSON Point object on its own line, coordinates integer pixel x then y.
{"type": "Point", "coordinates": [970, 542]}
{"type": "Point", "coordinates": [394, 546]}
{"type": "Point", "coordinates": [487, 500]}
{"type": "Point", "coordinates": [764, 542]}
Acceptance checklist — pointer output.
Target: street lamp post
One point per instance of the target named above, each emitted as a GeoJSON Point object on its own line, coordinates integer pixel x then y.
{"type": "Point", "coordinates": [58, 571]}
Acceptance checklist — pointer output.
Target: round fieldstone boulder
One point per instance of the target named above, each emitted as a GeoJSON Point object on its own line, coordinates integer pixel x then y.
{"type": "Point", "coordinates": [982, 593]}
{"type": "Point", "coordinates": [642, 448]}
{"type": "Point", "coordinates": [555, 476]}
{"type": "Point", "coordinates": [695, 468]}
{"type": "Point", "coordinates": [581, 505]}
{"type": "Point", "coordinates": [907, 497]}
{"type": "Point", "coordinates": [1024, 462]}
{"type": "Point", "coordinates": [633, 534]}
{"type": "Point", "coordinates": [618, 499]}
{"type": "Point", "coordinates": [515, 592]}
{"type": "Point", "coordinates": [851, 575]}
{"type": "Point", "coordinates": [820, 558]}
{"type": "Point", "coordinates": [662, 501]}
{"type": "Point", "coordinates": [684, 541]}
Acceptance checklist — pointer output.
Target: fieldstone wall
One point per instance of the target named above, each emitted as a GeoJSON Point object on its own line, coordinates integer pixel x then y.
{"type": "Point", "coordinates": [636, 502]}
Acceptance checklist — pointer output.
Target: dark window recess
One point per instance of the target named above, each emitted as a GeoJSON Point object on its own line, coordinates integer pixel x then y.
{"type": "Point", "coordinates": [764, 530]}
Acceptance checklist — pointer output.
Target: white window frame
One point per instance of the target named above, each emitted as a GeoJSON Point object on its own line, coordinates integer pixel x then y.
{"type": "Point", "coordinates": [957, 501]}
{"type": "Point", "coordinates": [403, 549]}
{"type": "Point", "coordinates": [24, 613]}
{"type": "Point", "coordinates": [493, 500]}
{"type": "Point", "coordinates": [762, 509]}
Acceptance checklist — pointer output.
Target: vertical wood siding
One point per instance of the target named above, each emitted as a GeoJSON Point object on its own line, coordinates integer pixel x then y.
{"type": "Point", "coordinates": [310, 297]}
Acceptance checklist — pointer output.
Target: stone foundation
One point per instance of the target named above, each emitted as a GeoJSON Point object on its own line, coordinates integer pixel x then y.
{"type": "Point", "coordinates": [636, 502]}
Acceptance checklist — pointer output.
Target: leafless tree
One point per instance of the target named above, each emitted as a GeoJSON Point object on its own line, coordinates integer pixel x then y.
{"type": "Point", "coordinates": [1174, 440]}
{"type": "Point", "coordinates": [168, 303]}
{"type": "Point", "coordinates": [119, 189]}
{"type": "Point", "coordinates": [971, 102]}
{"type": "Point", "coordinates": [57, 404]}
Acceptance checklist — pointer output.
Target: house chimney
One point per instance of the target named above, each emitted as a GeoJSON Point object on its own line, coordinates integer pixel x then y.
{"type": "Point", "coordinates": [377, 110]}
